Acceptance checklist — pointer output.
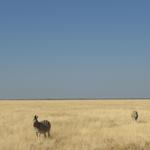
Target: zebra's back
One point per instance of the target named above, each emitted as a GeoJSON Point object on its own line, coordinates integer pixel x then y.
{"type": "Point", "coordinates": [42, 126]}
{"type": "Point", "coordinates": [134, 115]}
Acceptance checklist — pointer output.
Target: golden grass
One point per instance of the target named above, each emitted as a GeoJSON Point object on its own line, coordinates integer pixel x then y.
{"type": "Point", "coordinates": [76, 125]}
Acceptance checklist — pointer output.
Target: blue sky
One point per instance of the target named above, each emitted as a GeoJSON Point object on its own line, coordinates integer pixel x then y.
{"type": "Point", "coordinates": [72, 49]}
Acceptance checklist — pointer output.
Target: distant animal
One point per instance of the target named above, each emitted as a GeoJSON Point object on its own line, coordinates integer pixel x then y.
{"type": "Point", "coordinates": [134, 115]}
{"type": "Point", "coordinates": [41, 127]}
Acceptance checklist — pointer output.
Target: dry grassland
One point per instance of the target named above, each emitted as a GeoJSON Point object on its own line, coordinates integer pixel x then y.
{"type": "Point", "coordinates": [76, 125]}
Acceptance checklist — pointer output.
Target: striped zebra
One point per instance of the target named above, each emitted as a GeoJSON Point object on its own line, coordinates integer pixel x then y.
{"type": "Point", "coordinates": [134, 115]}
{"type": "Point", "coordinates": [41, 127]}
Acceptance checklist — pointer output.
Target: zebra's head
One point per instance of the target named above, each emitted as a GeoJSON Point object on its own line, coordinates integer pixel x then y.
{"type": "Point", "coordinates": [35, 118]}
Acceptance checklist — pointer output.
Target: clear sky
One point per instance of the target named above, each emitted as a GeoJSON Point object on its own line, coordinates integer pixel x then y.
{"type": "Point", "coordinates": [72, 49]}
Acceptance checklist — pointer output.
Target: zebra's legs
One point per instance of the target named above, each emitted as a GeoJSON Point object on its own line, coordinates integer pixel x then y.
{"type": "Point", "coordinates": [37, 134]}
{"type": "Point", "coordinates": [48, 133]}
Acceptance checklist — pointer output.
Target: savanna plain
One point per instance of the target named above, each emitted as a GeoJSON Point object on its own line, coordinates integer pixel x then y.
{"type": "Point", "coordinates": [76, 125]}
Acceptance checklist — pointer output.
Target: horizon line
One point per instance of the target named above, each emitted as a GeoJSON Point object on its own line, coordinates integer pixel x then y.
{"type": "Point", "coordinates": [106, 98]}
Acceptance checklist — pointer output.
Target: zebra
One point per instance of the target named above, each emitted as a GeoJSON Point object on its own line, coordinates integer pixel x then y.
{"type": "Point", "coordinates": [41, 127]}
{"type": "Point", "coordinates": [134, 115]}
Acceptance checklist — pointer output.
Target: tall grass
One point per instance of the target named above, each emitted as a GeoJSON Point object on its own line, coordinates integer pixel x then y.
{"type": "Point", "coordinates": [76, 125]}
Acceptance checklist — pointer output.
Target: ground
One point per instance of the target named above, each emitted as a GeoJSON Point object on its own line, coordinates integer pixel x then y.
{"type": "Point", "coordinates": [76, 125]}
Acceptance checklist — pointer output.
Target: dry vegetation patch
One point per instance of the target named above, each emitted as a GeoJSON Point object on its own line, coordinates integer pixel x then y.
{"type": "Point", "coordinates": [76, 125]}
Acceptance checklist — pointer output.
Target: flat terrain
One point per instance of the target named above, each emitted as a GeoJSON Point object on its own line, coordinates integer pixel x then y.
{"type": "Point", "coordinates": [76, 125]}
